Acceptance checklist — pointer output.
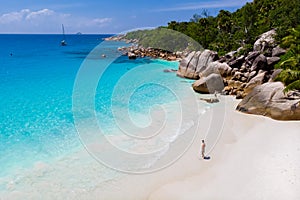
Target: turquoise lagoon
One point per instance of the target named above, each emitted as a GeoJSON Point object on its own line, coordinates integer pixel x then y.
{"type": "Point", "coordinates": [37, 76]}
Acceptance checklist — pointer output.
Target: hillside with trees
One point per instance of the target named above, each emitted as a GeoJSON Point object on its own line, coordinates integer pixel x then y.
{"type": "Point", "coordinates": [229, 31]}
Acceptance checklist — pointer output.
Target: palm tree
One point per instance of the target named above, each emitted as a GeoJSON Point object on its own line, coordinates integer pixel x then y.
{"type": "Point", "coordinates": [291, 63]}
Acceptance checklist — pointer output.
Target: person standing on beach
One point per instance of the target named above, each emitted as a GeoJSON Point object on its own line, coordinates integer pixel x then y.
{"type": "Point", "coordinates": [203, 149]}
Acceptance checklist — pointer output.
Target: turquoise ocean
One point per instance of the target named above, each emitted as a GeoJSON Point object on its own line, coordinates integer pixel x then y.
{"type": "Point", "coordinates": [37, 77]}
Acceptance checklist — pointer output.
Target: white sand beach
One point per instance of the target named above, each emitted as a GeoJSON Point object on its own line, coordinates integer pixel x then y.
{"type": "Point", "coordinates": [254, 158]}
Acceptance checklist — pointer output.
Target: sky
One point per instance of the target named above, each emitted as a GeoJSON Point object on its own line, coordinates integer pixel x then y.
{"type": "Point", "coordinates": [100, 17]}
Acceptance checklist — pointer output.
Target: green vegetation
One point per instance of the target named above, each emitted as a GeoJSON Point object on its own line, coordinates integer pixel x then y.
{"type": "Point", "coordinates": [288, 76]}
{"type": "Point", "coordinates": [229, 31]}
{"type": "Point", "coordinates": [293, 86]}
{"type": "Point", "coordinates": [290, 62]}
{"type": "Point", "coordinates": [165, 39]}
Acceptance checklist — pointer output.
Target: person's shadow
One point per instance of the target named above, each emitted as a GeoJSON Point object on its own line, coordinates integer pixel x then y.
{"type": "Point", "coordinates": [206, 157]}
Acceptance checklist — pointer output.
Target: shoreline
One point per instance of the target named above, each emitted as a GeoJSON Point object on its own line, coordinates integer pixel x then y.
{"type": "Point", "coordinates": [183, 179]}
{"type": "Point", "coordinates": [254, 158]}
{"type": "Point", "coordinates": [241, 147]}
{"type": "Point", "coordinates": [249, 76]}
{"type": "Point", "coordinates": [135, 50]}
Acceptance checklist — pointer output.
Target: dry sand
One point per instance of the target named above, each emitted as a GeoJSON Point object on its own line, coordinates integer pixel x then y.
{"type": "Point", "coordinates": [255, 158]}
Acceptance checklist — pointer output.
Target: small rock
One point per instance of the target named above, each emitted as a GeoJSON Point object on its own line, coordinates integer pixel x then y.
{"type": "Point", "coordinates": [272, 60]}
{"type": "Point", "coordinates": [216, 67]}
{"type": "Point", "coordinates": [210, 100]}
{"type": "Point", "coordinates": [239, 95]}
{"type": "Point", "coordinates": [234, 92]}
{"type": "Point", "coordinates": [278, 51]}
{"type": "Point", "coordinates": [233, 71]}
{"type": "Point", "coordinates": [222, 59]}
{"type": "Point", "coordinates": [243, 85]}
{"type": "Point", "coordinates": [243, 68]}
{"type": "Point", "coordinates": [172, 58]}
{"type": "Point", "coordinates": [170, 70]}
{"type": "Point", "coordinates": [237, 62]}
{"type": "Point", "coordinates": [275, 74]}
{"type": "Point", "coordinates": [260, 62]}
{"type": "Point", "coordinates": [237, 75]}
{"type": "Point", "coordinates": [131, 56]}
{"type": "Point", "coordinates": [178, 53]}
{"type": "Point", "coordinates": [230, 54]}
{"type": "Point", "coordinates": [244, 79]}
{"type": "Point", "coordinates": [252, 55]}
{"type": "Point", "coordinates": [257, 80]}
{"type": "Point", "coordinates": [227, 88]}
{"type": "Point", "coordinates": [293, 94]}
{"type": "Point", "coordinates": [265, 41]}
{"type": "Point", "coordinates": [230, 82]}
{"type": "Point", "coordinates": [237, 84]}
{"type": "Point", "coordinates": [252, 74]}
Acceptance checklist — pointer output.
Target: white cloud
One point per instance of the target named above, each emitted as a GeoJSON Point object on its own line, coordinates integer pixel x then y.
{"type": "Point", "coordinates": [39, 13]}
{"type": "Point", "coordinates": [27, 15]}
{"type": "Point", "coordinates": [204, 5]}
{"type": "Point", "coordinates": [13, 16]}
{"type": "Point", "coordinates": [48, 21]}
{"type": "Point", "coordinates": [100, 21]}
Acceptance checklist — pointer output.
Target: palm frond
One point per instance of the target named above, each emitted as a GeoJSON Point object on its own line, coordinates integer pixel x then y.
{"type": "Point", "coordinates": [293, 86]}
{"type": "Point", "coordinates": [288, 76]}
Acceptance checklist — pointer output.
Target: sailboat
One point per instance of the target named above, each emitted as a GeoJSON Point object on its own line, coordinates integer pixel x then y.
{"type": "Point", "coordinates": [63, 42]}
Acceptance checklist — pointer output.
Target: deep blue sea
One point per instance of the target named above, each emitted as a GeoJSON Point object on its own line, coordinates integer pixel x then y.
{"type": "Point", "coordinates": [37, 78]}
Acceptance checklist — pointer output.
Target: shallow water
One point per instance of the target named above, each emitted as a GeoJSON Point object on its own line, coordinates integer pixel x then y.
{"type": "Point", "coordinates": [37, 77]}
{"type": "Point", "coordinates": [54, 101]}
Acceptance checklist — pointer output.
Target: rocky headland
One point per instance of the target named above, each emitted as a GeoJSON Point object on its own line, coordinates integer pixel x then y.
{"type": "Point", "coordinates": [249, 77]}
{"type": "Point", "coordinates": [138, 51]}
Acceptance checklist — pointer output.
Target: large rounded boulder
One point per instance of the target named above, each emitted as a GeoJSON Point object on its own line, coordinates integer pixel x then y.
{"type": "Point", "coordinates": [210, 84]}
{"type": "Point", "coordinates": [269, 100]}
